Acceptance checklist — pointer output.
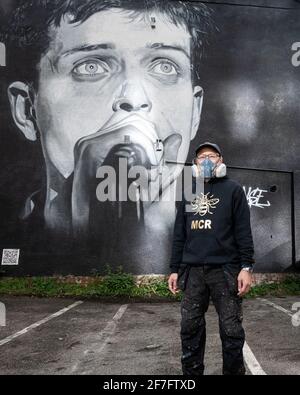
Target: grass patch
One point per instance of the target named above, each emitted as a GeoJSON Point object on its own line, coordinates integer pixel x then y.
{"type": "Point", "coordinates": [120, 284]}
{"type": "Point", "coordinates": [290, 286]}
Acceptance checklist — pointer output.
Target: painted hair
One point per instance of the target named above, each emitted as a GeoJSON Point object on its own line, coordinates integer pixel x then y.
{"type": "Point", "coordinates": [26, 32]}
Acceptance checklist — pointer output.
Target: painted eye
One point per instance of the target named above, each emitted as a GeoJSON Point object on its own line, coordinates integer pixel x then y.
{"type": "Point", "coordinates": [165, 68]}
{"type": "Point", "coordinates": [90, 68]}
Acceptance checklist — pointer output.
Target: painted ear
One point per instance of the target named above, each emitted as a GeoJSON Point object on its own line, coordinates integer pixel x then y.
{"type": "Point", "coordinates": [197, 110]}
{"type": "Point", "coordinates": [22, 109]}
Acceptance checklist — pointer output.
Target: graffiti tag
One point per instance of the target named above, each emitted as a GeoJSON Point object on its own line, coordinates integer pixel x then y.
{"type": "Point", "coordinates": [255, 196]}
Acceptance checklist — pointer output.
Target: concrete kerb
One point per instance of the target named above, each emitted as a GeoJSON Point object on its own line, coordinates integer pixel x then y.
{"type": "Point", "coordinates": [145, 279]}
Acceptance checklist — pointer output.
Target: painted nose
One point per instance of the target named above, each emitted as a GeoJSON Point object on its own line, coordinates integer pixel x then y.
{"type": "Point", "coordinates": [133, 98]}
{"type": "Point", "coordinates": [127, 105]}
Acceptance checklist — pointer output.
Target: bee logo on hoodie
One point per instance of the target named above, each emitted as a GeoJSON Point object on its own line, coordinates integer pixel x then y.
{"type": "Point", "coordinates": [202, 204]}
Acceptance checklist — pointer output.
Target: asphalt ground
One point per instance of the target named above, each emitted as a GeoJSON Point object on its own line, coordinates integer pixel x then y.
{"type": "Point", "coordinates": [68, 336]}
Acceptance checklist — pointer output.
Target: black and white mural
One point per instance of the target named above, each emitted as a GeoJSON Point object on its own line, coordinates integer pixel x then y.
{"type": "Point", "coordinates": [96, 94]}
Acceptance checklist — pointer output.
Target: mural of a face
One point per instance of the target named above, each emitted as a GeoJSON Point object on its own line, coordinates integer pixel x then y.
{"type": "Point", "coordinates": [88, 76]}
{"type": "Point", "coordinates": [106, 78]}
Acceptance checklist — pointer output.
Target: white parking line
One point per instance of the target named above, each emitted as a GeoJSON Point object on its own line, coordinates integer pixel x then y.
{"type": "Point", "coordinates": [276, 306]}
{"type": "Point", "coordinates": [252, 362]}
{"type": "Point", "coordinates": [39, 323]}
{"type": "Point", "coordinates": [110, 328]}
{"type": "Point", "coordinates": [250, 359]}
{"type": "Point", "coordinates": [105, 335]}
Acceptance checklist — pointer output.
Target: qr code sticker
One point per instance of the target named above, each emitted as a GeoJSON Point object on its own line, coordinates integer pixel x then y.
{"type": "Point", "coordinates": [10, 257]}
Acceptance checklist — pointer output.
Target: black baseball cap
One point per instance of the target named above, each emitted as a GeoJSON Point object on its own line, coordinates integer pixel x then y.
{"type": "Point", "coordinates": [208, 144]}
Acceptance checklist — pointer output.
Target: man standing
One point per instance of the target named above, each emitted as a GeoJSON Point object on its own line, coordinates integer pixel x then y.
{"type": "Point", "coordinates": [212, 255]}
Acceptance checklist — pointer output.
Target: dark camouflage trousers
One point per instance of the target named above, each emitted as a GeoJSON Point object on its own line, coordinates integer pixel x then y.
{"type": "Point", "coordinates": [219, 282]}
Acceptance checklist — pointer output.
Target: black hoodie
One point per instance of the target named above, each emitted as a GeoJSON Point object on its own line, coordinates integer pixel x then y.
{"type": "Point", "coordinates": [217, 230]}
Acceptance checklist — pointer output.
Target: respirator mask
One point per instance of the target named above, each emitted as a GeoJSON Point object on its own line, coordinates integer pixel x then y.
{"type": "Point", "coordinates": [208, 169]}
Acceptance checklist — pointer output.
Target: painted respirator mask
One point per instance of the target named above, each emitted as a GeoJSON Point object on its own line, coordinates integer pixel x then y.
{"type": "Point", "coordinates": [132, 138]}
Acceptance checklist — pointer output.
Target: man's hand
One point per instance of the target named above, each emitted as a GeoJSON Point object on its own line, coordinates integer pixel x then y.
{"type": "Point", "coordinates": [244, 282]}
{"type": "Point", "coordinates": [172, 282]}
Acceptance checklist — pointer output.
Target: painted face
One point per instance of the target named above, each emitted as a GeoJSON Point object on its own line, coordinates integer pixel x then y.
{"type": "Point", "coordinates": [112, 71]}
